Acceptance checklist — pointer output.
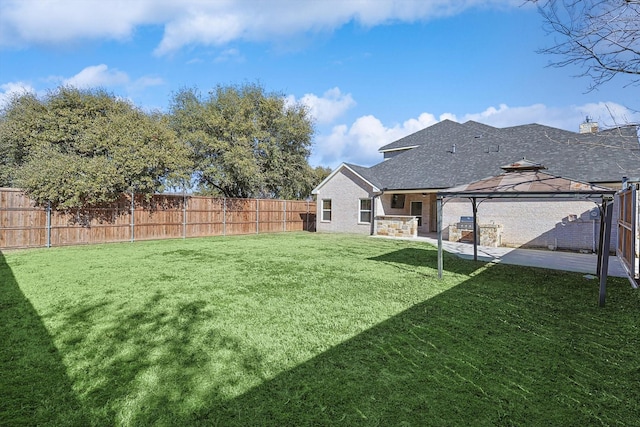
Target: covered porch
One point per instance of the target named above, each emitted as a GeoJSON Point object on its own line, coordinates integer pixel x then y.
{"type": "Point", "coordinates": [405, 213]}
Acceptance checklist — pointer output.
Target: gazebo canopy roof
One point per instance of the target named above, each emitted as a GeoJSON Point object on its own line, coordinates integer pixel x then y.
{"type": "Point", "coordinates": [523, 179]}
{"type": "Point", "coordinates": [527, 183]}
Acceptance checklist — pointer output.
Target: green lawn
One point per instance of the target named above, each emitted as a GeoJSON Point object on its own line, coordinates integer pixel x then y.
{"type": "Point", "coordinates": [308, 329]}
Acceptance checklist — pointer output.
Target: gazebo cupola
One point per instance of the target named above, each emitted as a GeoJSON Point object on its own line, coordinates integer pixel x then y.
{"type": "Point", "coordinates": [523, 165]}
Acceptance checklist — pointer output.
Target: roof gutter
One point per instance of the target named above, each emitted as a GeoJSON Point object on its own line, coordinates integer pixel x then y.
{"type": "Point", "coordinates": [398, 149]}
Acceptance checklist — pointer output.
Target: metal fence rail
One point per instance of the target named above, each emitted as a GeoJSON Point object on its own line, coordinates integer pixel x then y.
{"type": "Point", "coordinates": [22, 225]}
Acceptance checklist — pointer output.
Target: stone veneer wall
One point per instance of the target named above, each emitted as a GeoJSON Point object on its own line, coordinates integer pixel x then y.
{"type": "Point", "coordinates": [490, 234]}
{"type": "Point", "coordinates": [396, 226]}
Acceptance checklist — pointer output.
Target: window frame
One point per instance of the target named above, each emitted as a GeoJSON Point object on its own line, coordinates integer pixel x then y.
{"type": "Point", "coordinates": [361, 211]}
{"type": "Point", "coordinates": [397, 201]}
{"type": "Point", "coordinates": [324, 210]}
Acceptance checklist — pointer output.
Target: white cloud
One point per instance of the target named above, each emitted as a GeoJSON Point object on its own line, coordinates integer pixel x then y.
{"type": "Point", "coordinates": [11, 89]}
{"type": "Point", "coordinates": [199, 28]}
{"type": "Point", "coordinates": [327, 108]}
{"type": "Point", "coordinates": [359, 143]}
{"type": "Point", "coordinates": [54, 22]}
{"type": "Point", "coordinates": [97, 76]}
{"type": "Point", "coordinates": [217, 23]}
{"type": "Point", "coordinates": [189, 22]}
{"type": "Point", "coordinates": [101, 76]}
{"type": "Point", "coordinates": [607, 114]}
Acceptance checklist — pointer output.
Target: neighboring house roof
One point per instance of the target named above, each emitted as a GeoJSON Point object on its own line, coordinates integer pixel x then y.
{"type": "Point", "coordinates": [449, 154]}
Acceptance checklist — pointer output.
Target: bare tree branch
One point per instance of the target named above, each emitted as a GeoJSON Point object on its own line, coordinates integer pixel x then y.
{"type": "Point", "coordinates": [601, 36]}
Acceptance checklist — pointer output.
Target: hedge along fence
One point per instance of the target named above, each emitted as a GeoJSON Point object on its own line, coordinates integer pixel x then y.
{"type": "Point", "coordinates": [165, 216]}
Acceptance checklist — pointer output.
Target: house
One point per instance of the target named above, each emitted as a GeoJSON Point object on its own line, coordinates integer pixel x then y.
{"type": "Point", "coordinates": [398, 195]}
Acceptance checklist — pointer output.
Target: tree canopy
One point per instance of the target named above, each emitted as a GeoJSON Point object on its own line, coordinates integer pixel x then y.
{"type": "Point", "coordinates": [79, 148]}
{"type": "Point", "coordinates": [245, 142]}
{"type": "Point", "coordinates": [602, 36]}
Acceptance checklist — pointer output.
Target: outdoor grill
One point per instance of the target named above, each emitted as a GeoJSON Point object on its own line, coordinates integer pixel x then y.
{"type": "Point", "coordinates": [466, 223]}
{"type": "Point", "coordinates": [465, 226]}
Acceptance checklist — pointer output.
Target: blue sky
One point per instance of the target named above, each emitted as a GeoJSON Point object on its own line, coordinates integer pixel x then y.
{"type": "Point", "coordinates": [370, 71]}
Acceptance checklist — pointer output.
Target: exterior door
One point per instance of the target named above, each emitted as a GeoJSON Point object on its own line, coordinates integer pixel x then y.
{"type": "Point", "coordinates": [433, 218]}
{"type": "Point", "coordinates": [416, 210]}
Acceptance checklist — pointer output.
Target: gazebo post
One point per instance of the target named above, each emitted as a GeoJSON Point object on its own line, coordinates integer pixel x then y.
{"type": "Point", "coordinates": [604, 257]}
{"type": "Point", "coordinates": [475, 228]}
{"type": "Point", "coordinates": [602, 208]}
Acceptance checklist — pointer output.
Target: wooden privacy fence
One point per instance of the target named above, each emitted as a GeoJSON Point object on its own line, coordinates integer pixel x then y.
{"type": "Point", "coordinates": [628, 248]}
{"type": "Point", "coordinates": [22, 225]}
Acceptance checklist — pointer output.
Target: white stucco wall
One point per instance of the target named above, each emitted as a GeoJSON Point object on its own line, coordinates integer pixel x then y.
{"type": "Point", "coordinates": [345, 190]}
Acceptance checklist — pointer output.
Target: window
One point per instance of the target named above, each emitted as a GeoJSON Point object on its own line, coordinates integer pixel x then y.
{"type": "Point", "coordinates": [365, 210]}
{"type": "Point", "coordinates": [397, 201]}
{"type": "Point", "coordinates": [326, 209]}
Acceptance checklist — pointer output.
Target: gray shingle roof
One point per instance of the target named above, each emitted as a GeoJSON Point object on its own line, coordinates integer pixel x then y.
{"type": "Point", "coordinates": [366, 173]}
{"type": "Point", "coordinates": [437, 131]}
{"type": "Point", "coordinates": [480, 150]}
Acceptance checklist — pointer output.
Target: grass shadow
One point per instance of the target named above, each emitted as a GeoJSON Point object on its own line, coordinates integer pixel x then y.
{"type": "Point", "coordinates": [34, 386]}
{"type": "Point", "coordinates": [145, 366]}
{"type": "Point", "coordinates": [428, 257]}
{"type": "Point", "coordinates": [495, 350]}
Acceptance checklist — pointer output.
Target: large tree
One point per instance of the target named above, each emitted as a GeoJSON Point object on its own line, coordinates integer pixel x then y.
{"type": "Point", "coordinates": [245, 142]}
{"type": "Point", "coordinates": [601, 36]}
{"type": "Point", "coordinates": [81, 148]}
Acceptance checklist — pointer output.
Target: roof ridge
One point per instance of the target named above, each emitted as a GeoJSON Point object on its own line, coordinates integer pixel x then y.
{"type": "Point", "coordinates": [417, 138]}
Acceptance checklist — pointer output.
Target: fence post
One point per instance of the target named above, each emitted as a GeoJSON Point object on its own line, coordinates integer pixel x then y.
{"type": "Point", "coordinates": [224, 216]}
{"type": "Point", "coordinates": [284, 217]}
{"type": "Point", "coordinates": [48, 230]}
{"type": "Point", "coordinates": [184, 214]}
{"type": "Point", "coordinates": [257, 216]}
{"type": "Point", "coordinates": [133, 207]}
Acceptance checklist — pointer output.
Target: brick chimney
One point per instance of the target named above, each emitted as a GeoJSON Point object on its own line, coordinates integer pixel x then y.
{"type": "Point", "coordinates": [588, 126]}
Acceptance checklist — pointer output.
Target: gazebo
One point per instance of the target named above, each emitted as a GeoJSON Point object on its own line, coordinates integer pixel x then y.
{"type": "Point", "coordinates": [524, 179]}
